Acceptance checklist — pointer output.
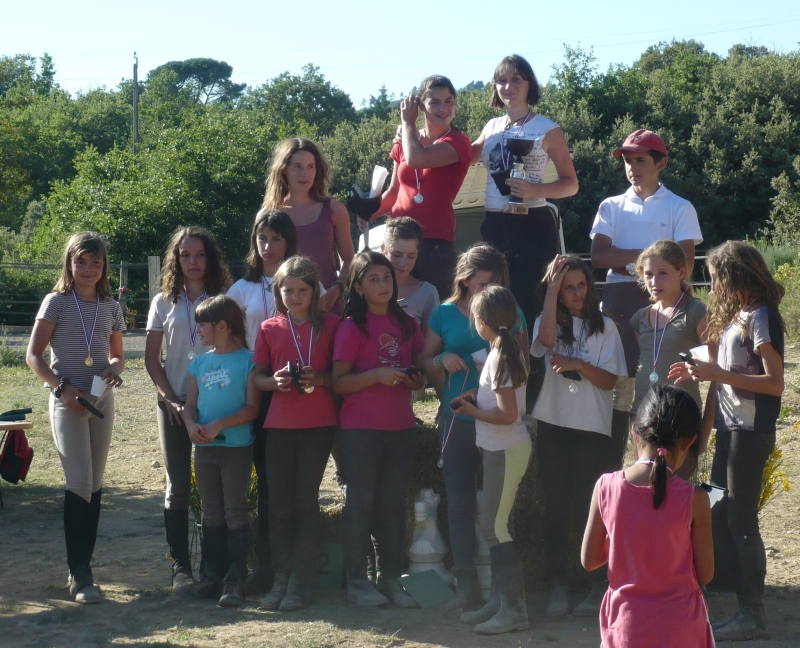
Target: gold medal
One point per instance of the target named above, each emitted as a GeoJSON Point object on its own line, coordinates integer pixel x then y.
{"type": "Point", "coordinates": [89, 361]}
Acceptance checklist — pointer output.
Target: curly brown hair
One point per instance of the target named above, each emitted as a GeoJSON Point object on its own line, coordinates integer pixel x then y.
{"type": "Point", "coordinates": [217, 278]}
{"type": "Point", "coordinates": [740, 278]}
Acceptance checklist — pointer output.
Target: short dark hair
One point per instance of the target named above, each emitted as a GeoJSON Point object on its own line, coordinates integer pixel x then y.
{"type": "Point", "coordinates": [656, 155]}
{"type": "Point", "coordinates": [525, 71]}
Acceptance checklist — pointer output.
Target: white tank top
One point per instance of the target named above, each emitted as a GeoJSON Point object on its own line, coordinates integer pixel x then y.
{"type": "Point", "coordinates": [535, 162]}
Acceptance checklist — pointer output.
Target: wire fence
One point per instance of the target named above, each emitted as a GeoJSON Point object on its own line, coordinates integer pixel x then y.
{"type": "Point", "coordinates": [141, 280]}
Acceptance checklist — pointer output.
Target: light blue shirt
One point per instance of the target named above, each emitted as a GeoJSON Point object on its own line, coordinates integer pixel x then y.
{"type": "Point", "coordinates": [222, 390]}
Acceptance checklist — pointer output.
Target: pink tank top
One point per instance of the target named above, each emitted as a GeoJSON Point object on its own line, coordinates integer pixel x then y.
{"type": "Point", "coordinates": [315, 240]}
{"type": "Point", "coordinates": [653, 598]}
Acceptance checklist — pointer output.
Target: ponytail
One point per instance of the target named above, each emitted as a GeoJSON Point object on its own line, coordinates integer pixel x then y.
{"type": "Point", "coordinates": [658, 478]}
{"type": "Point", "coordinates": [666, 415]}
{"type": "Point", "coordinates": [510, 365]}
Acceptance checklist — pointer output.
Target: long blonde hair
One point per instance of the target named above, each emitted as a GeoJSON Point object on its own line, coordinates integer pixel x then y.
{"type": "Point", "coordinates": [481, 257]}
{"type": "Point", "coordinates": [276, 185]}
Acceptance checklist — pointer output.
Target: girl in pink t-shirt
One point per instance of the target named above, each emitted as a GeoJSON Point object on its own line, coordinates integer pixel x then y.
{"type": "Point", "coordinates": [654, 530]}
{"type": "Point", "coordinates": [376, 346]}
{"type": "Point", "coordinates": [293, 359]}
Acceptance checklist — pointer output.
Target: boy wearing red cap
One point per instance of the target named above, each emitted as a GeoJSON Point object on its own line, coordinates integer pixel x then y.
{"type": "Point", "coordinates": [624, 226]}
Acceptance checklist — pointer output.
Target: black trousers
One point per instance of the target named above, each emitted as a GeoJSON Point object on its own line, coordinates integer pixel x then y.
{"type": "Point", "coordinates": [436, 264]}
{"type": "Point", "coordinates": [738, 465]}
{"type": "Point", "coordinates": [296, 461]}
{"type": "Point", "coordinates": [570, 463]}
{"type": "Point", "coordinates": [379, 464]}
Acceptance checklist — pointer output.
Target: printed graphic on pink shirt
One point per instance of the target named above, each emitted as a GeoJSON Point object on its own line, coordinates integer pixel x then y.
{"type": "Point", "coordinates": [387, 352]}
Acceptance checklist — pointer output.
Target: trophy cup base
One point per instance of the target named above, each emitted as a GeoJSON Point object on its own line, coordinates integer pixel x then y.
{"type": "Point", "coordinates": [515, 208]}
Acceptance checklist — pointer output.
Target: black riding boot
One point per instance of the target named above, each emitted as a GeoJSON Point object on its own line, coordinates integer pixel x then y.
{"type": "Point", "coordinates": [176, 523]}
{"type": "Point", "coordinates": [233, 585]}
{"type": "Point", "coordinates": [80, 532]}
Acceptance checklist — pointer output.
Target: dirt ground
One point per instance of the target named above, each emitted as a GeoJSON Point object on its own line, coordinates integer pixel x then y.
{"type": "Point", "coordinates": [131, 564]}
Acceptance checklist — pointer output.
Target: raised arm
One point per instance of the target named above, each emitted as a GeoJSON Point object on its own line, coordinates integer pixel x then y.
{"type": "Point", "coordinates": [418, 156]}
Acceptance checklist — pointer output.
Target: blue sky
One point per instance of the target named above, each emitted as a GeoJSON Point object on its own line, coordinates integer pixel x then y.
{"type": "Point", "coordinates": [360, 45]}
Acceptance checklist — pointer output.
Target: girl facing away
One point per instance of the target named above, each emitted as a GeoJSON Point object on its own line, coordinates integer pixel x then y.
{"type": "Point", "coordinates": [401, 245]}
{"type": "Point", "coordinates": [299, 426]}
{"type": "Point", "coordinates": [505, 445]}
{"type": "Point", "coordinates": [376, 346]}
{"type": "Point", "coordinates": [746, 387]}
{"type": "Point", "coordinates": [584, 358]}
{"type": "Point", "coordinates": [193, 270]}
{"type": "Point", "coordinates": [221, 401]}
{"type": "Point", "coordinates": [654, 531]}
{"type": "Point", "coordinates": [297, 183]}
{"type": "Point", "coordinates": [83, 326]}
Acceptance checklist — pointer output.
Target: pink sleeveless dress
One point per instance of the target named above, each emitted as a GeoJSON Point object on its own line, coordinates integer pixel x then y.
{"type": "Point", "coordinates": [653, 598]}
{"type": "Point", "coordinates": [316, 241]}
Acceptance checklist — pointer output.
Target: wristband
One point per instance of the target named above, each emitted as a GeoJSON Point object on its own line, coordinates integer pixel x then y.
{"type": "Point", "coordinates": [340, 284]}
{"type": "Point", "coordinates": [440, 357]}
{"type": "Point", "coordinates": [60, 387]}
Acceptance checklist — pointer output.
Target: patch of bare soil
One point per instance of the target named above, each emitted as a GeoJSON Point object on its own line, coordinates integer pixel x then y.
{"type": "Point", "coordinates": [132, 568]}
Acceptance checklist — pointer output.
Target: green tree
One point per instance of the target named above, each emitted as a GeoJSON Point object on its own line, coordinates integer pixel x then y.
{"type": "Point", "coordinates": [206, 79]}
{"type": "Point", "coordinates": [308, 98]}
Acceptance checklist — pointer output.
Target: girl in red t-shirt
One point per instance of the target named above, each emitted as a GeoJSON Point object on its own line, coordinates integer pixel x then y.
{"type": "Point", "coordinates": [429, 168]}
{"type": "Point", "coordinates": [293, 360]}
{"type": "Point", "coordinates": [375, 347]}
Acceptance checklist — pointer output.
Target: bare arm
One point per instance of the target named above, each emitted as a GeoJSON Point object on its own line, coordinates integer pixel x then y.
{"type": "Point", "coordinates": [600, 378]}
{"type": "Point", "coordinates": [389, 197]}
{"type": "Point", "coordinates": [567, 184]}
{"type": "Point", "coordinates": [40, 338]}
{"type": "Point", "coordinates": [344, 246]}
{"type": "Point", "coordinates": [504, 413]}
{"type": "Point", "coordinates": [771, 382]}
{"type": "Point", "coordinates": [477, 147]}
{"type": "Point", "coordinates": [345, 382]}
{"type": "Point", "coordinates": [546, 335]}
{"type": "Point", "coordinates": [152, 362]}
{"type": "Point", "coordinates": [606, 255]}
{"type": "Point", "coordinates": [418, 156]}
{"type": "Point", "coordinates": [595, 548]}
{"type": "Point", "coordinates": [702, 542]}
{"type": "Point", "coordinates": [242, 415]}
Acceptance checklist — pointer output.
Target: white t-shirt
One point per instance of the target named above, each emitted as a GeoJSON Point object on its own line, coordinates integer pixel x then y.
{"type": "Point", "coordinates": [494, 153]}
{"type": "Point", "coordinates": [177, 325]}
{"type": "Point", "coordinates": [633, 224]}
{"type": "Point", "coordinates": [589, 408]}
{"type": "Point", "coordinates": [490, 436]}
{"type": "Point", "coordinates": [257, 302]}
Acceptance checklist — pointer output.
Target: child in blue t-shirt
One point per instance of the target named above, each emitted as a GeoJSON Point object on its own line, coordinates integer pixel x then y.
{"type": "Point", "coordinates": [221, 401]}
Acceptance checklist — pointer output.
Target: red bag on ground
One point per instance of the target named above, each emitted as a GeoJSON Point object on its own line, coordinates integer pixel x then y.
{"type": "Point", "coordinates": [15, 457]}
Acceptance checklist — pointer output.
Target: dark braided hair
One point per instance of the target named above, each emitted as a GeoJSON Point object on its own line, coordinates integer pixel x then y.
{"type": "Point", "coordinates": [667, 414]}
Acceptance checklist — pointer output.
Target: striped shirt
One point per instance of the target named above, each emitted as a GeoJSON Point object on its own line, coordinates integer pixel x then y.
{"type": "Point", "coordinates": [68, 350]}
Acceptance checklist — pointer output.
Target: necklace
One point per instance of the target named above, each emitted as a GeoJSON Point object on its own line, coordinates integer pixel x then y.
{"type": "Point", "coordinates": [192, 331]}
{"type": "Point", "coordinates": [657, 342]}
{"type": "Point", "coordinates": [446, 437]}
{"type": "Point", "coordinates": [266, 287]}
{"type": "Point", "coordinates": [419, 198]}
{"type": "Point", "coordinates": [88, 361]}
{"type": "Point", "coordinates": [310, 388]}
{"type": "Point", "coordinates": [576, 346]}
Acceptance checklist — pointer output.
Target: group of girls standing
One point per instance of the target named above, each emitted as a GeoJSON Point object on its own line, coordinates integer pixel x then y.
{"type": "Point", "coordinates": [275, 409]}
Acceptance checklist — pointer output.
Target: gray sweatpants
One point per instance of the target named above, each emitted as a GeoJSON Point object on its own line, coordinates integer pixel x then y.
{"type": "Point", "coordinates": [82, 440]}
{"type": "Point", "coordinates": [223, 477]}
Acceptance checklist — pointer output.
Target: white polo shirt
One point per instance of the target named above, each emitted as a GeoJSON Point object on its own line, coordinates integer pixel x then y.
{"type": "Point", "coordinates": [633, 224]}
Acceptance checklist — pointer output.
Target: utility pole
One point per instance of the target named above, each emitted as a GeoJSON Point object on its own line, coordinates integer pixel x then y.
{"type": "Point", "coordinates": [135, 103]}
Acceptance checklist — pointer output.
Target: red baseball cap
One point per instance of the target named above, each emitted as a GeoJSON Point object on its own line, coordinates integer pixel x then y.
{"type": "Point", "coordinates": [641, 141]}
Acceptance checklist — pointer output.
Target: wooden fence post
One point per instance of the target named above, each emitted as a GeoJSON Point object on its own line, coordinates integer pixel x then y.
{"type": "Point", "coordinates": [153, 274]}
{"type": "Point", "coordinates": [123, 283]}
